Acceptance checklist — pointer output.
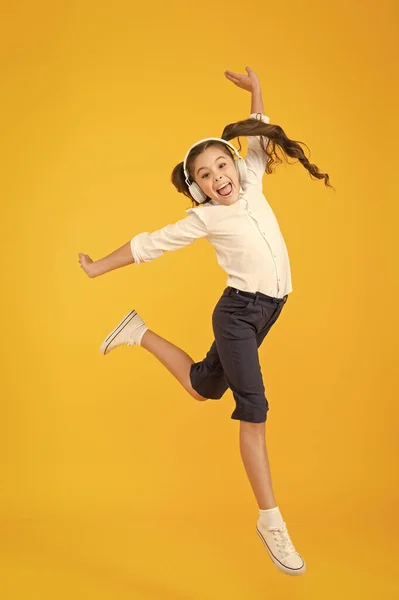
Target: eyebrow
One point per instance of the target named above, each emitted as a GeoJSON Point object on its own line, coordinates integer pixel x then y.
{"type": "Point", "coordinates": [207, 167]}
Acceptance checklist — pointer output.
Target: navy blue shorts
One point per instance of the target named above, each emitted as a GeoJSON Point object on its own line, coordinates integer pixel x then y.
{"type": "Point", "coordinates": [240, 321]}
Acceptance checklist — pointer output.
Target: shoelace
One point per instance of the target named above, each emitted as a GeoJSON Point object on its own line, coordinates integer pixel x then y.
{"type": "Point", "coordinates": [282, 539]}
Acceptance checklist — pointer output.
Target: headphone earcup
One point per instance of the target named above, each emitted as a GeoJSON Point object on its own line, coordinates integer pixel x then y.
{"type": "Point", "coordinates": [196, 192]}
{"type": "Point", "coordinates": [242, 170]}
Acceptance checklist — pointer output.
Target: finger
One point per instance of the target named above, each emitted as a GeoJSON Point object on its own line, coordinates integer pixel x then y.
{"type": "Point", "coordinates": [232, 74]}
{"type": "Point", "coordinates": [234, 79]}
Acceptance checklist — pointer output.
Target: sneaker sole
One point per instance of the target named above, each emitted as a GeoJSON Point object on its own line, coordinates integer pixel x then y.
{"type": "Point", "coordinates": [108, 340]}
{"type": "Point", "coordinates": [279, 564]}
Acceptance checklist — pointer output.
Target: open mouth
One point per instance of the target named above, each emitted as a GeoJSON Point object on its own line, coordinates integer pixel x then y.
{"type": "Point", "coordinates": [225, 191]}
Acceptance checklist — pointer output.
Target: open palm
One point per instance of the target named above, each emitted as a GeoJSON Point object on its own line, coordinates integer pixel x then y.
{"type": "Point", "coordinates": [248, 82]}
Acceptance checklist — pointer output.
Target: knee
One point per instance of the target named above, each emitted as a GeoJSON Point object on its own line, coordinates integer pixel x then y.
{"type": "Point", "coordinates": [216, 395]}
{"type": "Point", "coordinates": [198, 397]}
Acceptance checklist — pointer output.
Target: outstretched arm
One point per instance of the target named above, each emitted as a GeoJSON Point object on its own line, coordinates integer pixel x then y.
{"type": "Point", "coordinates": [119, 258]}
{"type": "Point", "coordinates": [145, 246]}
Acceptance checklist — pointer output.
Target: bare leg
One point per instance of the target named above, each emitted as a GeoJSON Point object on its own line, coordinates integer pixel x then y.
{"type": "Point", "coordinates": [256, 462]}
{"type": "Point", "coordinates": [173, 358]}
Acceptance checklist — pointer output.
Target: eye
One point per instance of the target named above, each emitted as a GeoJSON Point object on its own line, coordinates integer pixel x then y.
{"type": "Point", "coordinates": [220, 165]}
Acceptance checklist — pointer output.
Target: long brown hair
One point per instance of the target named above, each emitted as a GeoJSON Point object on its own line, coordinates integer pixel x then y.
{"type": "Point", "coordinates": [250, 127]}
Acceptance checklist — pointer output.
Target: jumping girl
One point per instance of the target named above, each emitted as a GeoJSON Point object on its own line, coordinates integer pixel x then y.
{"type": "Point", "coordinates": [231, 212]}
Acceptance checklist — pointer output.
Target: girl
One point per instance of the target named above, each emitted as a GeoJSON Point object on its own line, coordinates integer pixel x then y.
{"type": "Point", "coordinates": [230, 210]}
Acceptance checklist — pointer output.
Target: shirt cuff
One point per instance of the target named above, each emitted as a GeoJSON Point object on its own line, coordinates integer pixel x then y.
{"type": "Point", "coordinates": [135, 254]}
{"type": "Point", "coordinates": [260, 117]}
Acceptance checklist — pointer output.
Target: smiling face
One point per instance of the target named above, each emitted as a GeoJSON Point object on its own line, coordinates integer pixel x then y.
{"type": "Point", "coordinates": [214, 171]}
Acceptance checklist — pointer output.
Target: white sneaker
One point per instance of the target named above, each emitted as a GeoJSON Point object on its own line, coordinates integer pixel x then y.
{"type": "Point", "coordinates": [128, 332]}
{"type": "Point", "coordinates": [281, 549]}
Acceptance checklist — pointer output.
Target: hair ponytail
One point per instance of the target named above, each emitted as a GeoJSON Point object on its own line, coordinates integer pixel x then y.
{"type": "Point", "coordinates": [179, 181]}
{"type": "Point", "coordinates": [277, 137]}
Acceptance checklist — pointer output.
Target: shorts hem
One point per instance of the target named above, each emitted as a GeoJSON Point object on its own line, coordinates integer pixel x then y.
{"type": "Point", "coordinates": [249, 418]}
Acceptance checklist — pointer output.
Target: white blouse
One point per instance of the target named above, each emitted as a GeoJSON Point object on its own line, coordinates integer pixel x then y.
{"type": "Point", "coordinates": [246, 236]}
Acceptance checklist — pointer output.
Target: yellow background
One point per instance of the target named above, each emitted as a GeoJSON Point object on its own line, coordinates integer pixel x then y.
{"type": "Point", "coordinates": [115, 483]}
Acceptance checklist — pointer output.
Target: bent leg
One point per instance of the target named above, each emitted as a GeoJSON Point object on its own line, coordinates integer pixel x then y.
{"type": "Point", "coordinates": [207, 375]}
{"type": "Point", "coordinates": [173, 358]}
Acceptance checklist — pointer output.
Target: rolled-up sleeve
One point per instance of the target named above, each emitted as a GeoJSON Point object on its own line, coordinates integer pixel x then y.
{"type": "Point", "coordinates": [256, 158]}
{"type": "Point", "coordinates": [149, 246]}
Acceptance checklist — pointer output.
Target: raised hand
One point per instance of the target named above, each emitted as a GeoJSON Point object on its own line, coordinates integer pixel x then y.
{"type": "Point", "coordinates": [248, 82]}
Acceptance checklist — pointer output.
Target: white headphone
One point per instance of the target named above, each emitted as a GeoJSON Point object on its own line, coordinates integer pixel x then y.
{"type": "Point", "coordinates": [194, 188]}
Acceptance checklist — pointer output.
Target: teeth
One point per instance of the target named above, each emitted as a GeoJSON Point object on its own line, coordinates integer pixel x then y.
{"type": "Point", "coordinates": [221, 187]}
